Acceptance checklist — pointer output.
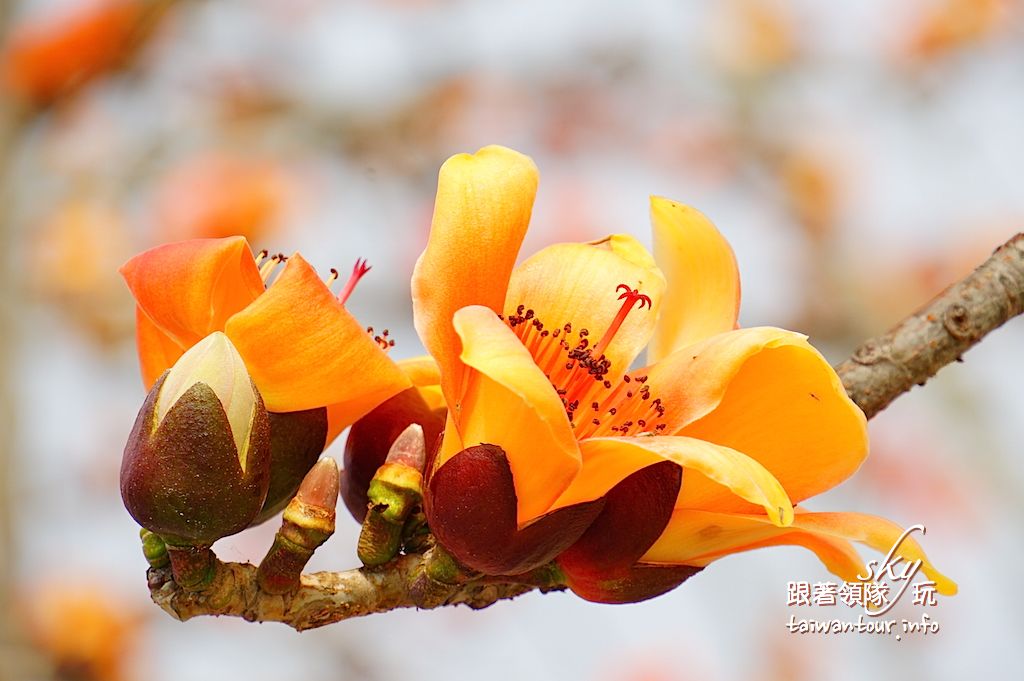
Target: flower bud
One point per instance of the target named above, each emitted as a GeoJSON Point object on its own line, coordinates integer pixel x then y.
{"type": "Point", "coordinates": [197, 463]}
{"type": "Point", "coordinates": [395, 491]}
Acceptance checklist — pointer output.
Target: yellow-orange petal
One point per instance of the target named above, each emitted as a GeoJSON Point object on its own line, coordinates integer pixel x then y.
{"type": "Point", "coordinates": [577, 284]}
{"type": "Point", "coordinates": [609, 460]}
{"type": "Point", "coordinates": [157, 351]}
{"type": "Point", "coordinates": [510, 403]}
{"type": "Point", "coordinates": [700, 537]}
{"type": "Point", "coordinates": [767, 393]}
{"type": "Point", "coordinates": [481, 214]}
{"type": "Point", "coordinates": [189, 289]}
{"type": "Point", "coordinates": [703, 294]}
{"type": "Point", "coordinates": [304, 350]}
{"type": "Point", "coordinates": [425, 376]}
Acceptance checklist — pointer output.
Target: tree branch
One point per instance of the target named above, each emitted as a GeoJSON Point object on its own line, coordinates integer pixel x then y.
{"type": "Point", "coordinates": [879, 371]}
{"type": "Point", "coordinates": [323, 597]}
{"type": "Point", "coordinates": [885, 367]}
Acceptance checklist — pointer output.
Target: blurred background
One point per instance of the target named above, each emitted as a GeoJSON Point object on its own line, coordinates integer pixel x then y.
{"type": "Point", "coordinates": [860, 156]}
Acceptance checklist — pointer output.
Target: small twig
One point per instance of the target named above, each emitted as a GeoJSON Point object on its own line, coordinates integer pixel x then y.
{"type": "Point", "coordinates": [879, 371]}
{"type": "Point", "coordinates": [887, 366]}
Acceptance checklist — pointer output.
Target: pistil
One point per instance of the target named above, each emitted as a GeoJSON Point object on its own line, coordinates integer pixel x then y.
{"type": "Point", "coordinates": [359, 270]}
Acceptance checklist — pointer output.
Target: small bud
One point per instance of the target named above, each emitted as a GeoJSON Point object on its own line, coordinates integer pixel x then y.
{"type": "Point", "coordinates": [395, 491]}
{"type": "Point", "coordinates": [197, 463]}
{"type": "Point", "coordinates": [308, 522]}
{"type": "Point", "coordinates": [409, 448]}
{"type": "Point", "coordinates": [370, 439]}
{"type": "Point", "coordinates": [320, 486]}
{"type": "Point", "coordinates": [154, 549]}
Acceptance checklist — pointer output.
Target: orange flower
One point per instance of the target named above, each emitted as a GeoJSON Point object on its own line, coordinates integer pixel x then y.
{"type": "Point", "coordinates": [218, 194]}
{"type": "Point", "coordinates": [315, 366]}
{"type": "Point", "coordinates": [301, 346]}
{"type": "Point", "coordinates": [954, 24]}
{"type": "Point", "coordinates": [549, 433]}
{"type": "Point", "coordinates": [51, 56]}
{"type": "Point", "coordinates": [85, 632]}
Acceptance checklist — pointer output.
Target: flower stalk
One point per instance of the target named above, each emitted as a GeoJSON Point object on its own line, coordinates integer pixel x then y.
{"type": "Point", "coordinates": [193, 566]}
{"type": "Point", "coordinates": [307, 522]}
{"type": "Point", "coordinates": [395, 493]}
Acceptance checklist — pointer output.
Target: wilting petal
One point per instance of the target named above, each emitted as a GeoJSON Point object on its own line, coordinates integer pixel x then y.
{"type": "Point", "coordinates": [600, 566]}
{"type": "Point", "coordinates": [509, 401]}
{"type": "Point", "coordinates": [481, 214]}
{"type": "Point", "coordinates": [426, 378]}
{"type": "Point", "coordinates": [712, 469]}
{"type": "Point", "coordinates": [699, 537]}
{"type": "Point", "coordinates": [304, 350]}
{"type": "Point", "coordinates": [577, 284]}
{"type": "Point", "coordinates": [471, 508]}
{"type": "Point", "coordinates": [189, 289]}
{"type": "Point", "coordinates": [157, 352]}
{"type": "Point", "coordinates": [703, 294]}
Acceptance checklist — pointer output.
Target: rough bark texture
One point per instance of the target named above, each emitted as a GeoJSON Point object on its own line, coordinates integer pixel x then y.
{"type": "Point", "coordinates": [885, 367]}
{"type": "Point", "coordinates": [879, 371]}
{"type": "Point", "coordinates": [323, 597]}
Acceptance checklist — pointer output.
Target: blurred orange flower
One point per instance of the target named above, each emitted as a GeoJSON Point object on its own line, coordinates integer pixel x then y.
{"type": "Point", "coordinates": [953, 24]}
{"type": "Point", "coordinates": [86, 632]}
{"type": "Point", "coordinates": [73, 255]}
{"type": "Point", "coordinates": [753, 37]}
{"type": "Point", "coordinates": [303, 349]}
{"type": "Point", "coordinates": [49, 56]}
{"type": "Point", "coordinates": [218, 195]}
{"type": "Point", "coordinates": [812, 187]}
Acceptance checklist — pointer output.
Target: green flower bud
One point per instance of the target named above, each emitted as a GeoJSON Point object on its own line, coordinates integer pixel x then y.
{"type": "Point", "coordinates": [197, 464]}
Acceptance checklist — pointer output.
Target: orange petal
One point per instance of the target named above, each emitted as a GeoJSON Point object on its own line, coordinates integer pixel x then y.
{"type": "Point", "coordinates": [767, 393]}
{"type": "Point", "coordinates": [481, 214]}
{"type": "Point", "coordinates": [510, 403]}
{"type": "Point", "coordinates": [189, 289]}
{"type": "Point", "coordinates": [608, 460]}
{"type": "Point", "coordinates": [703, 294]}
{"type": "Point", "coordinates": [304, 350]}
{"type": "Point", "coordinates": [700, 537]}
{"type": "Point", "coordinates": [157, 352]}
{"type": "Point", "coordinates": [577, 284]}
{"type": "Point", "coordinates": [426, 377]}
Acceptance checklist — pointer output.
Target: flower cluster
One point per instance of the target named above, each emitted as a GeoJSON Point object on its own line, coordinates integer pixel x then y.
{"type": "Point", "coordinates": [546, 445]}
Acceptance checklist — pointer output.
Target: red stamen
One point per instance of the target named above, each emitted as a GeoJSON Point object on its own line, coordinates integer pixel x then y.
{"type": "Point", "coordinates": [358, 272]}
{"type": "Point", "coordinates": [631, 297]}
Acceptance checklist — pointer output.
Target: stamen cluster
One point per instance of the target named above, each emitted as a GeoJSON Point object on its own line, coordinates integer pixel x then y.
{"type": "Point", "coordinates": [580, 371]}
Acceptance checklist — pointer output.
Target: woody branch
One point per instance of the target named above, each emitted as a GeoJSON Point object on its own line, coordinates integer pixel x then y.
{"type": "Point", "coordinates": [880, 370]}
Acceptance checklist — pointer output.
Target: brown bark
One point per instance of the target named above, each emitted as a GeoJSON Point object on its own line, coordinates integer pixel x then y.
{"type": "Point", "coordinates": [885, 367]}
{"type": "Point", "coordinates": [322, 598]}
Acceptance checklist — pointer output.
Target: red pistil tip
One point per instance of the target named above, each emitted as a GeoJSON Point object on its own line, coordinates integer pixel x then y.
{"type": "Point", "coordinates": [359, 270]}
{"type": "Point", "coordinates": [632, 295]}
